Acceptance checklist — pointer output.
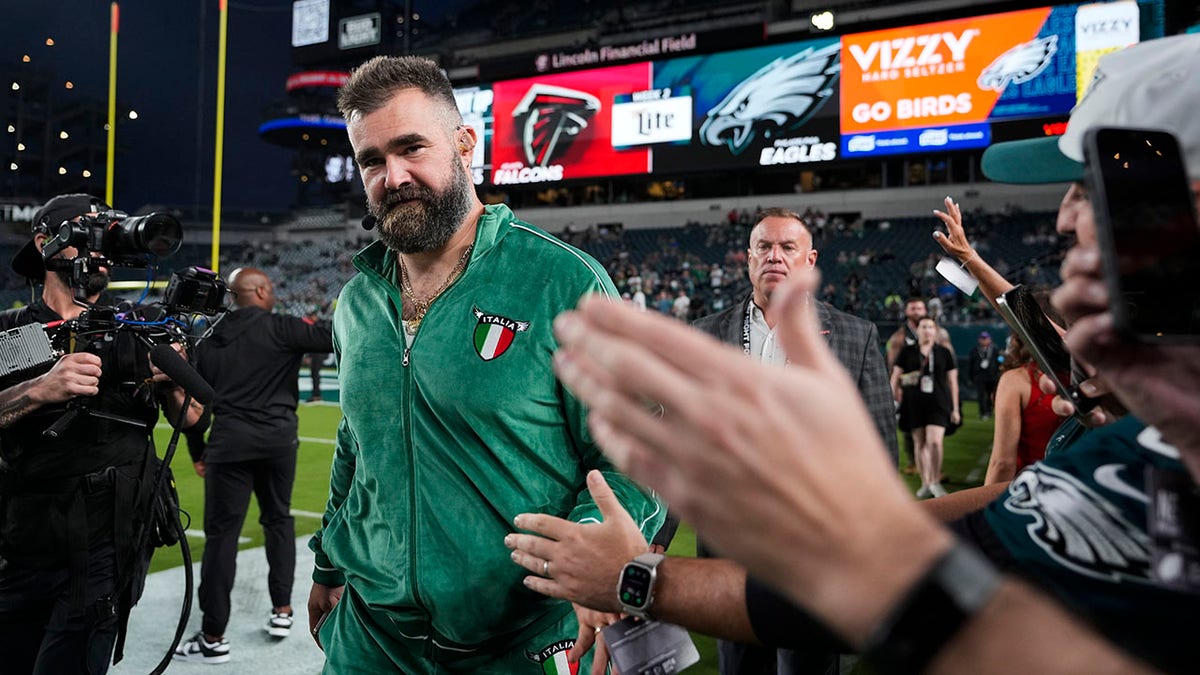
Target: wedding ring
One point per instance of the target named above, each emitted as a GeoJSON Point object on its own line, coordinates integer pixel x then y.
{"type": "Point", "coordinates": [546, 568]}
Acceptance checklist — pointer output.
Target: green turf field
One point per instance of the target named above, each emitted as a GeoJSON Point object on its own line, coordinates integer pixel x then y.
{"type": "Point", "coordinates": [964, 466]}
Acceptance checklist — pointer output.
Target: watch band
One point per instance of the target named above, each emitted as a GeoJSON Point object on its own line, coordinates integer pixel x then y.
{"type": "Point", "coordinates": [953, 590]}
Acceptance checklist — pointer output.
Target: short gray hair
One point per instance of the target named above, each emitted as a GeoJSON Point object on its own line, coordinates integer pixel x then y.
{"type": "Point", "coordinates": [376, 81]}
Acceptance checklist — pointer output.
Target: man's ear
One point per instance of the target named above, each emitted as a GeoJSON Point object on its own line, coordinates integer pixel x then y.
{"type": "Point", "coordinates": [467, 139]}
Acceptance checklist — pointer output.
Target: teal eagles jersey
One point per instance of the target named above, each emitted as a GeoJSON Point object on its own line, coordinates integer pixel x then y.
{"type": "Point", "coordinates": [1075, 524]}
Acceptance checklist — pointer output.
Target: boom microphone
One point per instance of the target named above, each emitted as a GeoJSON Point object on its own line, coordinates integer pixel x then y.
{"type": "Point", "coordinates": [368, 222]}
{"type": "Point", "coordinates": [182, 373]}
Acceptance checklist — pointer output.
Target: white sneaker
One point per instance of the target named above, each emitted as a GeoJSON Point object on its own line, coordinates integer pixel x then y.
{"type": "Point", "coordinates": [279, 625]}
{"type": "Point", "coordinates": [923, 492]}
{"type": "Point", "coordinates": [199, 650]}
{"type": "Point", "coordinates": [937, 490]}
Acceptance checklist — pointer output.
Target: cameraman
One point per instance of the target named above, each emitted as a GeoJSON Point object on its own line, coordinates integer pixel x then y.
{"type": "Point", "coordinates": [68, 568]}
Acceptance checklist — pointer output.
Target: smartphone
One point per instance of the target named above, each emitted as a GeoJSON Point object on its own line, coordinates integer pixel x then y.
{"type": "Point", "coordinates": [1027, 320]}
{"type": "Point", "coordinates": [1147, 231]}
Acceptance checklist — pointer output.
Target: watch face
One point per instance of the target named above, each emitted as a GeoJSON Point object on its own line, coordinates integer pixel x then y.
{"type": "Point", "coordinates": [635, 586]}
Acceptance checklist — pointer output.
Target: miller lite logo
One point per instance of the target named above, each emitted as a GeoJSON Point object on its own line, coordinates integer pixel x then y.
{"type": "Point", "coordinates": [494, 334]}
{"type": "Point", "coordinates": [550, 119]}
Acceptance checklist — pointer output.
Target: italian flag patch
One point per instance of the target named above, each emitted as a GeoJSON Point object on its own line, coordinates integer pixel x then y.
{"type": "Point", "coordinates": [494, 333]}
{"type": "Point", "coordinates": [553, 658]}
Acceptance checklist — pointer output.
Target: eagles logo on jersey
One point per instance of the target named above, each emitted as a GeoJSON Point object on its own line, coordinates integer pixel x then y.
{"type": "Point", "coordinates": [780, 97]}
{"type": "Point", "coordinates": [1019, 64]}
{"type": "Point", "coordinates": [550, 118]}
{"type": "Point", "coordinates": [1078, 527]}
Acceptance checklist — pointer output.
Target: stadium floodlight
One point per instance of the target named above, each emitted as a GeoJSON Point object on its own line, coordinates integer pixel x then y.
{"type": "Point", "coordinates": [822, 20]}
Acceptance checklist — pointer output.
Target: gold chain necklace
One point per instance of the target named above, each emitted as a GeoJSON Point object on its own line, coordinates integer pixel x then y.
{"type": "Point", "coordinates": [420, 307]}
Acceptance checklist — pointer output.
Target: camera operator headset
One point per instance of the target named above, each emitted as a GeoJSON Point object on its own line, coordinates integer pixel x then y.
{"type": "Point", "coordinates": [68, 568]}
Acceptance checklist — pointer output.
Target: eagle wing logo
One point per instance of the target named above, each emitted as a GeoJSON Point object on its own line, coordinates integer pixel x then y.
{"type": "Point", "coordinates": [1019, 64]}
{"type": "Point", "coordinates": [1078, 527]}
{"type": "Point", "coordinates": [550, 118]}
{"type": "Point", "coordinates": [778, 98]}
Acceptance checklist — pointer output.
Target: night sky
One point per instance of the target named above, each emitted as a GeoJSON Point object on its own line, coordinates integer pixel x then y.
{"type": "Point", "coordinates": [167, 53]}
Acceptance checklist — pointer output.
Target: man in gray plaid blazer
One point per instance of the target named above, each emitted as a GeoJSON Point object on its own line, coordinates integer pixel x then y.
{"type": "Point", "coordinates": [780, 243]}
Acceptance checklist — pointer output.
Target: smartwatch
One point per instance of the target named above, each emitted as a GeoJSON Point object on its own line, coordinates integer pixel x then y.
{"type": "Point", "coordinates": [635, 590]}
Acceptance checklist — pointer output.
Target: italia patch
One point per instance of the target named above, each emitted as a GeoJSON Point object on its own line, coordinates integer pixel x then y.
{"type": "Point", "coordinates": [553, 658]}
{"type": "Point", "coordinates": [495, 333]}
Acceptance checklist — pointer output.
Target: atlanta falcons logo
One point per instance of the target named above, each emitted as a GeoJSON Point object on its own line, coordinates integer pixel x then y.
{"type": "Point", "coordinates": [1019, 64]}
{"type": "Point", "coordinates": [778, 98]}
{"type": "Point", "coordinates": [1078, 527]}
{"type": "Point", "coordinates": [550, 118]}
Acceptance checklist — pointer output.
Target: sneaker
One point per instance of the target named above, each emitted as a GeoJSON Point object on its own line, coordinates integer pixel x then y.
{"type": "Point", "coordinates": [937, 490]}
{"type": "Point", "coordinates": [279, 625]}
{"type": "Point", "coordinates": [924, 492]}
{"type": "Point", "coordinates": [199, 650]}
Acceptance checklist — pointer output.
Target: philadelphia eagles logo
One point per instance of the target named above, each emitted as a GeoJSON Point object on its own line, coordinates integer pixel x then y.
{"type": "Point", "coordinates": [553, 658]}
{"type": "Point", "coordinates": [779, 98]}
{"type": "Point", "coordinates": [550, 118]}
{"type": "Point", "coordinates": [1078, 527]}
{"type": "Point", "coordinates": [1019, 64]}
{"type": "Point", "coordinates": [494, 334]}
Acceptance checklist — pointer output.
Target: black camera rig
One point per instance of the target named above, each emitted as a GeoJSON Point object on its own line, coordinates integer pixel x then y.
{"type": "Point", "coordinates": [192, 293]}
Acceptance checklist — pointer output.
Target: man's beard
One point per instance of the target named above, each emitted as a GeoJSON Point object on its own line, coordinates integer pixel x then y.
{"type": "Point", "coordinates": [427, 223]}
{"type": "Point", "coordinates": [93, 284]}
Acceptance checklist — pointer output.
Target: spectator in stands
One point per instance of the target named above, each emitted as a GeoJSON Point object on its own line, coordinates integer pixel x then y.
{"type": "Point", "coordinates": [639, 297]}
{"type": "Point", "coordinates": [1025, 419]}
{"type": "Point", "coordinates": [252, 360]}
{"type": "Point", "coordinates": [452, 419]}
{"type": "Point", "coordinates": [925, 385]}
{"type": "Point", "coordinates": [682, 305]}
{"type": "Point", "coordinates": [983, 369]}
{"type": "Point", "coordinates": [664, 303]}
{"type": "Point", "coordinates": [780, 245]}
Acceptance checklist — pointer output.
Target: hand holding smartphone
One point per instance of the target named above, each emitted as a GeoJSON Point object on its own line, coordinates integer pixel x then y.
{"type": "Point", "coordinates": [1028, 322]}
{"type": "Point", "coordinates": [1147, 232]}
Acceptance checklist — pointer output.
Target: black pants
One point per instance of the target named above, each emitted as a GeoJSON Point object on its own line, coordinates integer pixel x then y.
{"type": "Point", "coordinates": [986, 389]}
{"type": "Point", "coordinates": [738, 658]}
{"type": "Point", "coordinates": [227, 488]}
{"type": "Point", "coordinates": [39, 632]}
{"type": "Point", "coordinates": [315, 361]}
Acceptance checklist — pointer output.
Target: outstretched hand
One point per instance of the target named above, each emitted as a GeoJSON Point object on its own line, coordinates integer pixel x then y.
{"type": "Point", "coordinates": [745, 452]}
{"type": "Point", "coordinates": [584, 559]}
{"type": "Point", "coordinates": [954, 240]}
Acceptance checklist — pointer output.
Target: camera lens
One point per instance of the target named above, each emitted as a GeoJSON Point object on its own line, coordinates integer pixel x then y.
{"type": "Point", "coordinates": [159, 234]}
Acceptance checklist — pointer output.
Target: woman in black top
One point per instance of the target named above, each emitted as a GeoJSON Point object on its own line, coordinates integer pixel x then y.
{"type": "Point", "coordinates": [925, 384]}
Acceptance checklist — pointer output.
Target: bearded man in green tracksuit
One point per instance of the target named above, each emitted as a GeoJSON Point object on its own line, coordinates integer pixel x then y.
{"type": "Point", "coordinates": [453, 422]}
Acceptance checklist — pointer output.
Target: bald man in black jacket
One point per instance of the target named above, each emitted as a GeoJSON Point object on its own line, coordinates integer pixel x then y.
{"type": "Point", "coordinates": [252, 360]}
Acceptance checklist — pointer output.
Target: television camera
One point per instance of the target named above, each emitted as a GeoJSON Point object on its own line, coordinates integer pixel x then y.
{"type": "Point", "coordinates": [103, 240]}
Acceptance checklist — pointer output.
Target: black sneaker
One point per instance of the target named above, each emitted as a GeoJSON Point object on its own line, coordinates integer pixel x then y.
{"type": "Point", "coordinates": [279, 625]}
{"type": "Point", "coordinates": [199, 650]}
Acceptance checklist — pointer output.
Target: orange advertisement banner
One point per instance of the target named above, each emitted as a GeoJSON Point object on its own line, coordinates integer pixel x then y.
{"type": "Point", "coordinates": [944, 73]}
